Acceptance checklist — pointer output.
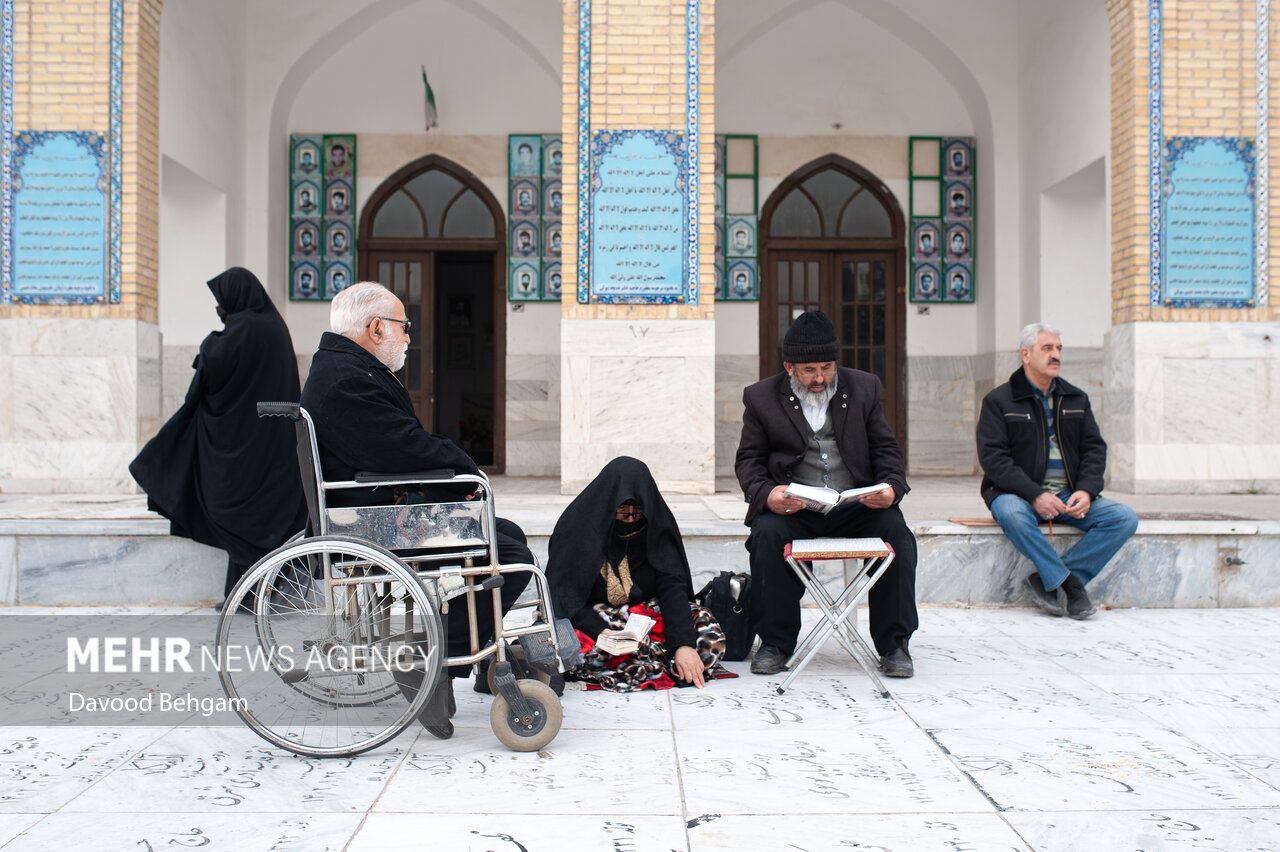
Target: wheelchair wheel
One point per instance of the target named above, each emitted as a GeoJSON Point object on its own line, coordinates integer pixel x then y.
{"type": "Point", "coordinates": [369, 621]}
{"type": "Point", "coordinates": [524, 671]}
{"type": "Point", "coordinates": [532, 732]}
{"type": "Point", "coordinates": [295, 584]}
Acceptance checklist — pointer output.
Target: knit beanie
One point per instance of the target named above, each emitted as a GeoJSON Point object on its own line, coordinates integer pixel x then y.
{"type": "Point", "coordinates": [811, 338]}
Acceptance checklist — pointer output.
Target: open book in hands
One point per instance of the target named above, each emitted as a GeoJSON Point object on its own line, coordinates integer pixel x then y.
{"type": "Point", "coordinates": [628, 639]}
{"type": "Point", "coordinates": [822, 499]}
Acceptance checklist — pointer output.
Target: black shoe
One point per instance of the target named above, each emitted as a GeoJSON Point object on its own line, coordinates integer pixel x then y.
{"type": "Point", "coordinates": [430, 715]}
{"type": "Point", "coordinates": [482, 677]}
{"type": "Point", "coordinates": [1046, 600]}
{"type": "Point", "coordinates": [897, 663]}
{"type": "Point", "coordinates": [768, 660]}
{"type": "Point", "coordinates": [439, 706]}
{"type": "Point", "coordinates": [1078, 604]}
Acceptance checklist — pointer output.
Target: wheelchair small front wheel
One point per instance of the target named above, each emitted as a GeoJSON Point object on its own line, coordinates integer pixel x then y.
{"type": "Point", "coordinates": [523, 670]}
{"type": "Point", "coordinates": [531, 732]}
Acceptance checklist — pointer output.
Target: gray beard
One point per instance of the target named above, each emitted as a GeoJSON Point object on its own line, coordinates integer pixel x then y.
{"type": "Point", "coordinates": [819, 399]}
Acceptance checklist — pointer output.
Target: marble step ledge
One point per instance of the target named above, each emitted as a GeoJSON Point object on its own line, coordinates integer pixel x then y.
{"type": "Point", "coordinates": [539, 524]}
{"type": "Point", "coordinates": [957, 565]}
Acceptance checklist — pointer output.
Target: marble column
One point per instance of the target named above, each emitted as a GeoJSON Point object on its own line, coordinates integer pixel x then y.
{"type": "Point", "coordinates": [638, 374]}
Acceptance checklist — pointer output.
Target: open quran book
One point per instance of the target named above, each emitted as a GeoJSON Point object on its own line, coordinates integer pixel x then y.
{"type": "Point", "coordinates": [821, 499]}
{"type": "Point", "coordinates": [628, 639]}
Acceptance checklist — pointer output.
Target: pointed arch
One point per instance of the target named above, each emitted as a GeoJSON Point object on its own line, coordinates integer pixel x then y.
{"type": "Point", "coordinates": [816, 252]}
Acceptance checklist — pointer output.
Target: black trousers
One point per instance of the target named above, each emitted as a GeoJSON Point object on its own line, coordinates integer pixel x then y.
{"type": "Point", "coordinates": [235, 570]}
{"type": "Point", "coordinates": [776, 591]}
{"type": "Point", "coordinates": [513, 548]}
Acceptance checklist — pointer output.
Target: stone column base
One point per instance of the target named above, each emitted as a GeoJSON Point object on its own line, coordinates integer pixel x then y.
{"type": "Point", "coordinates": [1193, 407]}
{"type": "Point", "coordinates": [79, 397]}
{"type": "Point", "coordinates": [642, 388]}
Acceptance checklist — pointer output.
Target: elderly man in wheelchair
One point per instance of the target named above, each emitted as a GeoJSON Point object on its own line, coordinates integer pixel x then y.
{"type": "Point", "coordinates": [403, 576]}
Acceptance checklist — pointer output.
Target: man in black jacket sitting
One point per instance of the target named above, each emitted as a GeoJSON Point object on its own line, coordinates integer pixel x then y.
{"type": "Point", "coordinates": [365, 422]}
{"type": "Point", "coordinates": [822, 425]}
{"type": "Point", "coordinates": [1043, 460]}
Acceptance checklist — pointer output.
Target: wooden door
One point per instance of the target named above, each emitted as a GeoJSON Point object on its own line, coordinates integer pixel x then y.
{"type": "Point", "coordinates": [859, 292]}
{"type": "Point", "coordinates": [863, 303]}
{"type": "Point", "coordinates": [797, 284]}
{"type": "Point", "coordinates": [408, 274]}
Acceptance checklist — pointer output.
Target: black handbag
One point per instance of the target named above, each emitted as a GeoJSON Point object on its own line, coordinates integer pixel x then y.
{"type": "Point", "coordinates": [728, 598]}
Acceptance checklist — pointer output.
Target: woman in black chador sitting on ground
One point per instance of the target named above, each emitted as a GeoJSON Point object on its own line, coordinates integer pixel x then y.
{"type": "Point", "coordinates": [617, 550]}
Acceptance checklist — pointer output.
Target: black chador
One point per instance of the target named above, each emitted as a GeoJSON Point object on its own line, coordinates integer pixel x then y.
{"type": "Point", "coordinates": [220, 475]}
{"type": "Point", "coordinates": [597, 559]}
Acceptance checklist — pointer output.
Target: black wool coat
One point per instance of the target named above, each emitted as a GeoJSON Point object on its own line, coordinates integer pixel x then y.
{"type": "Point", "coordinates": [774, 435]}
{"type": "Point", "coordinates": [365, 422]}
{"type": "Point", "coordinates": [1013, 446]}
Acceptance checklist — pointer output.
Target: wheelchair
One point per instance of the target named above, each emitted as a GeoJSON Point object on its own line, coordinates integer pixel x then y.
{"type": "Point", "coordinates": [334, 643]}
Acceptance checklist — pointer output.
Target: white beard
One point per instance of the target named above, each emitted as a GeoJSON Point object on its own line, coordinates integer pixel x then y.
{"type": "Point", "coordinates": [390, 358]}
{"type": "Point", "coordinates": [819, 399]}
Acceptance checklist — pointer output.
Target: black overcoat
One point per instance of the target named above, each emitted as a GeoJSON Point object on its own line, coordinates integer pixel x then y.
{"type": "Point", "coordinates": [222, 476]}
{"type": "Point", "coordinates": [365, 422]}
{"type": "Point", "coordinates": [774, 435]}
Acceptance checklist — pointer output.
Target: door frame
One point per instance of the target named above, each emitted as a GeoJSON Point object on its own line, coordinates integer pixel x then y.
{"type": "Point", "coordinates": [770, 247]}
{"type": "Point", "coordinates": [367, 244]}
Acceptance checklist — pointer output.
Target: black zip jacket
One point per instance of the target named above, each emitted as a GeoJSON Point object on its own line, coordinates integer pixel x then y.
{"type": "Point", "coordinates": [1013, 440]}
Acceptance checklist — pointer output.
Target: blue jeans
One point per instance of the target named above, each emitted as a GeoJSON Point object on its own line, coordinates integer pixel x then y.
{"type": "Point", "coordinates": [1107, 526]}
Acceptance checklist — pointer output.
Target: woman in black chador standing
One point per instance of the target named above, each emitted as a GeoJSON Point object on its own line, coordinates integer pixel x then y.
{"type": "Point", "coordinates": [220, 475]}
{"type": "Point", "coordinates": [617, 550]}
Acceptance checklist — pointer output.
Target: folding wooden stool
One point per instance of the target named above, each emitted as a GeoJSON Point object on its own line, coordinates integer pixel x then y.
{"type": "Point", "coordinates": [838, 614]}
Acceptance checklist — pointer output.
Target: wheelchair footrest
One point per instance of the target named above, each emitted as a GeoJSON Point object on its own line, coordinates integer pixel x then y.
{"type": "Point", "coordinates": [538, 651]}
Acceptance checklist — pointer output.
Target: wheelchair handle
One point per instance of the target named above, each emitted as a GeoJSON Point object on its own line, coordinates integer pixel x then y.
{"type": "Point", "coordinates": [280, 409]}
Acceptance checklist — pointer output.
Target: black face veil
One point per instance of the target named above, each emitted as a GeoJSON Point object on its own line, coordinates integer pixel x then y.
{"type": "Point", "coordinates": [578, 543]}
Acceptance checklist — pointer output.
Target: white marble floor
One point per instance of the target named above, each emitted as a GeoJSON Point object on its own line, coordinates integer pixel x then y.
{"type": "Point", "coordinates": [1139, 730]}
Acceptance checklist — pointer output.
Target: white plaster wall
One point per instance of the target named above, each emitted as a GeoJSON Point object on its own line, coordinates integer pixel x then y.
{"type": "Point", "coordinates": [466, 45]}
{"type": "Point", "coordinates": [193, 249]}
{"type": "Point", "coordinates": [1064, 68]}
{"type": "Point", "coordinates": [202, 106]}
{"type": "Point", "coordinates": [802, 69]}
{"type": "Point", "coordinates": [202, 174]}
{"type": "Point", "coordinates": [888, 70]}
{"type": "Point", "coordinates": [1075, 258]}
{"type": "Point", "coordinates": [485, 71]}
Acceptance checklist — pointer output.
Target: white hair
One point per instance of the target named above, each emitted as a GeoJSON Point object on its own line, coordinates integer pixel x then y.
{"type": "Point", "coordinates": [355, 307]}
{"type": "Point", "coordinates": [1030, 334]}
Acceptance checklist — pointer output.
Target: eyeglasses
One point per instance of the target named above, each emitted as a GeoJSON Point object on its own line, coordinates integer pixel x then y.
{"type": "Point", "coordinates": [629, 513]}
{"type": "Point", "coordinates": [406, 323]}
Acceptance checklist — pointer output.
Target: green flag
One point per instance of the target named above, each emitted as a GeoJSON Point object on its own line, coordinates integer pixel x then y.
{"type": "Point", "coordinates": [429, 103]}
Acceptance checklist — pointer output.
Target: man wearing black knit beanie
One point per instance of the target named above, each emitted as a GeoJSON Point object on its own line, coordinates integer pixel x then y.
{"type": "Point", "coordinates": [821, 425]}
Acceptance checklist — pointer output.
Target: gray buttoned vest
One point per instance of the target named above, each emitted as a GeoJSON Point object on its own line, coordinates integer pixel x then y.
{"type": "Point", "coordinates": [822, 457]}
